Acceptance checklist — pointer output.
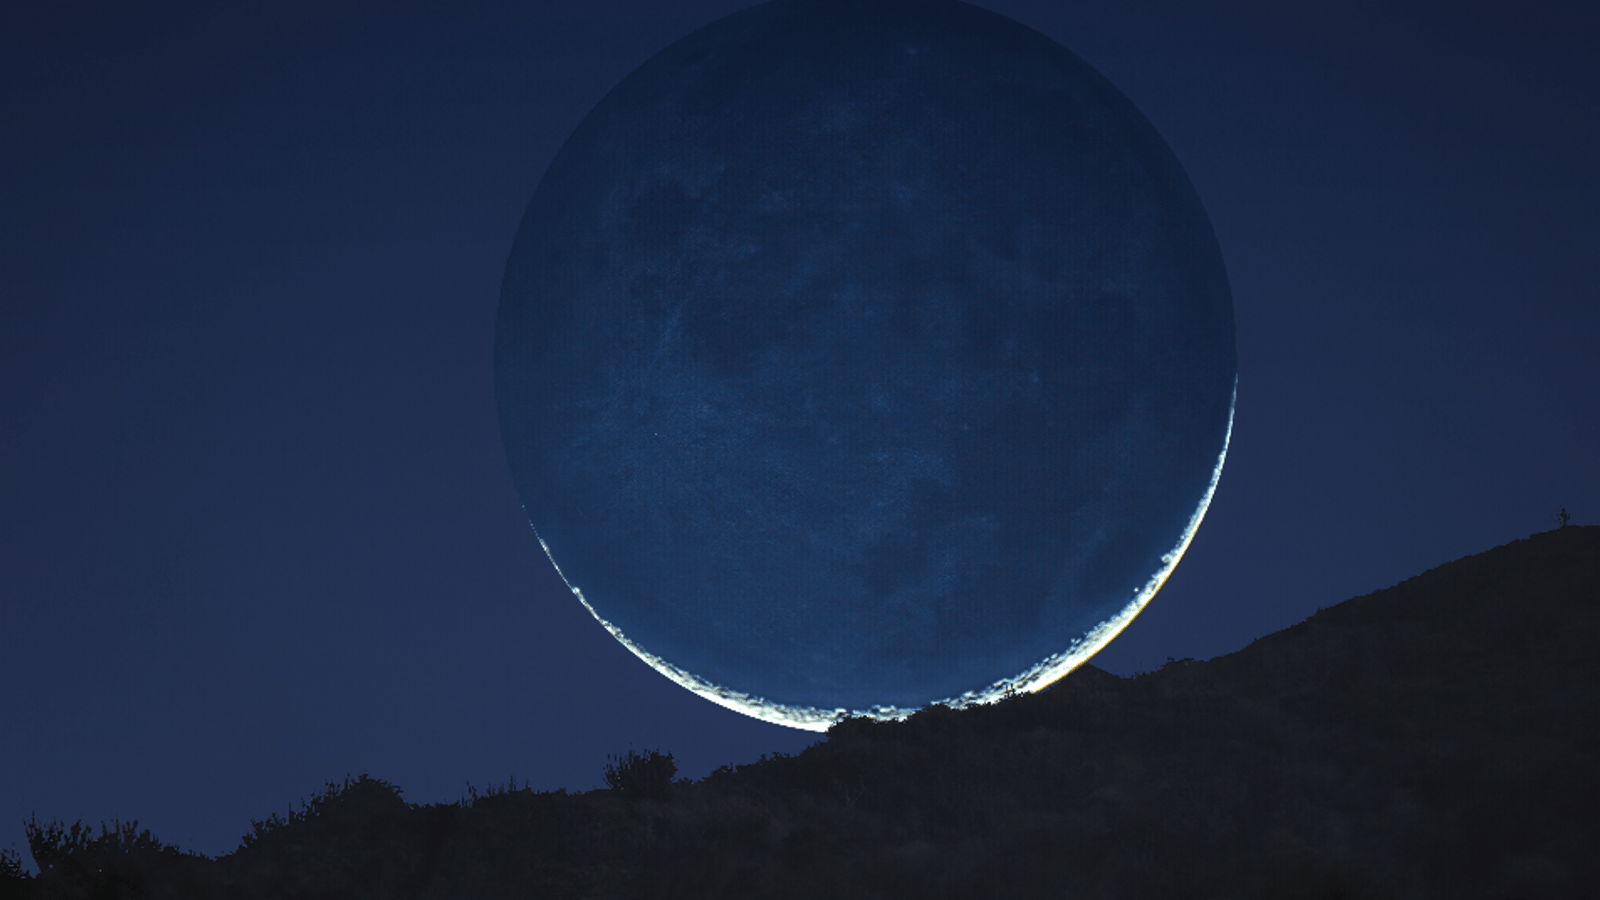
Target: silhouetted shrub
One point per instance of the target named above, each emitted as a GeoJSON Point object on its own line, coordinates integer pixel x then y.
{"type": "Point", "coordinates": [641, 776]}
{"type": "Point", "coordinates": [121, 862]}
{"type": "Point", "coordinates": [15, 883]}
{"type": "Point", "coordinates": [352, 839]}
{"type": "Point", "coordinates": [363, 800]}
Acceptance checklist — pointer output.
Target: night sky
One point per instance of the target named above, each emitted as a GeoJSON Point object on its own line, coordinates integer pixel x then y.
{"type": "Point", "coordinates": [258, 529]}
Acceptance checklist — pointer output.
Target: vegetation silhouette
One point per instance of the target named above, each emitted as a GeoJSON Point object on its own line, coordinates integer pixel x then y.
{"type": "Point", "coordinates": [641, 776]}
{"type": "Point", "coordinates": [1435, 739]}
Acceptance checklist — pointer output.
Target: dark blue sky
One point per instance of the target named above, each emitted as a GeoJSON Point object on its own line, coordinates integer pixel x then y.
{"type": "Point", "coordinates": [256, 528]}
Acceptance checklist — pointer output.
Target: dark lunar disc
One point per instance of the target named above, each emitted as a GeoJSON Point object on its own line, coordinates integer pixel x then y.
{"type": "Point", "coordinates": [864, 354]}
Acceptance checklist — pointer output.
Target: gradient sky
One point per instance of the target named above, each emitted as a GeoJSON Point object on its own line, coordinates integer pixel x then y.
{"type": "Point", "coordinates": [256, 527]}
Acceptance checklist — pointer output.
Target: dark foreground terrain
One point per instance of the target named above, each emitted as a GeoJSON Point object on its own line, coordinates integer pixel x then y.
{"type": "Point", "coordinates": [1436, 739]}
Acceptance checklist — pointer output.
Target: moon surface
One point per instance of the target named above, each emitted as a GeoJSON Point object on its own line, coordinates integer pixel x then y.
{"type": "Point", "coordinates": [853, 357]}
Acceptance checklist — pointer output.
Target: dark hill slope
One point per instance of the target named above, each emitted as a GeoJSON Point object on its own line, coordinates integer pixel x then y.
{"type": "Point", "coordinates": [1436, 739]}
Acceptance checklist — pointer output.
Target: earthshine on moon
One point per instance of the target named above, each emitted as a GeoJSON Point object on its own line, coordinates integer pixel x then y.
{"type": "Point", "coordinates": [857, 356]}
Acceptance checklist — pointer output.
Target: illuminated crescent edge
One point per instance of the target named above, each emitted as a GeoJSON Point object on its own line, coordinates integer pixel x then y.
{"type": "Point", "coordinates": [1036, 678]}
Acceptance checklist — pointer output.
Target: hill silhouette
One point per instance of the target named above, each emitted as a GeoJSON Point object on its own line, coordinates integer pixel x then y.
{"type": "Point", "coordinates": [1438, 738]}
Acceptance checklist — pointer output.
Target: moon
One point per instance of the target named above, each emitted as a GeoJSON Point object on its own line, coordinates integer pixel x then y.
{"type": "Point", "coordinates": [854, 357]}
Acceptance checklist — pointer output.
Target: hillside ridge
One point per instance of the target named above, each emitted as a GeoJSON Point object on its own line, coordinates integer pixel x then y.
{"type": "Point", "coordinates": [1436, 738]}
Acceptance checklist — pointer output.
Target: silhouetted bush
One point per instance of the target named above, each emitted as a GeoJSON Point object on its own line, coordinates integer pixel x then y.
{"type": "Point", "coordinates": [355, 838]}
{"type": "Point", "coordinates": [15, 882]}
{"type": "Point", "coordinates": [641, 776]}
{"type": "Point", "coordinates": [122, 862]}
{"type": "Point", "coordinates": [361, 801]}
